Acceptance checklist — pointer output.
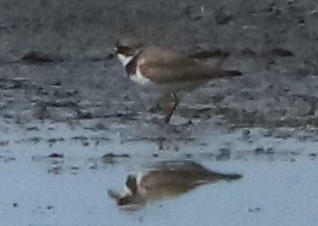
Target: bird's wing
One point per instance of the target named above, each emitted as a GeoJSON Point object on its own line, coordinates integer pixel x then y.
{"type": "Point", "coordinates": [165, 67]}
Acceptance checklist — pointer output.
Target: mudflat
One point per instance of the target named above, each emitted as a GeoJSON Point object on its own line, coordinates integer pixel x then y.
{"type": "Point", "coordinates": [73, 127]}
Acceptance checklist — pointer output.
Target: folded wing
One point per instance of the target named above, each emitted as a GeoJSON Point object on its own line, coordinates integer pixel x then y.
{"type": "Point", "coordinates": [171, 67]}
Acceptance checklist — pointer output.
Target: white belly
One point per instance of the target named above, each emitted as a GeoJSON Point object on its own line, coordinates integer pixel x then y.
{"type": "Point", "coordinates": [139, 78]}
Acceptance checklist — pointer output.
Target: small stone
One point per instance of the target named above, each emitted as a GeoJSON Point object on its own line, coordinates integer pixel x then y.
{"type": "Point", "coordinates": [282, 52]}
{"type": "Point", "coordinates": [270, 151]}
{"type": "Point", "coordinates": [246, 135]}
{"type": "Point", "coordinates": [54, 140]}
{"type": "Point", "coordinates": [56, 83]}
{"type": "Point", "coordinates": [111, 158]}
{"type": "Point", "coordinates": [74, 167]}
{"type": "Point", "coordinates": [35, 57]}
{"type": "Point", "coordinates": [50, 207]}
{"type": "Point", "coordinates": [194, 12]}
{"type": "Point", "coordinates": [4, 143]}
{"type": "Point", "coordinates": [32, 128]}
{"type": "Point", "coordinates": [225, 154]}
{"type": "Point", "coordinates": [259, 150]}
{"type": "Point", "coordinates": [93, 166]}
{"type": "Point", "coordinates": [222, 17]}
{"type": "Point", "coordinates": [267, 133]}
{"type": "Point", "coordinates": [254, 210]}
{"type": "Point", "coordinates": [56, 155]}
{"type": "Point", "coordinates": [85, 143]}
{"type": "Point", "coordinates": [188, 155]}
{"type": "Point", "coordinates": [35, 139]}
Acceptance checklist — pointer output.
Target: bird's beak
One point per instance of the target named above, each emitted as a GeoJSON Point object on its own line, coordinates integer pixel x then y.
{"type": "Point", "coordinates": [113, 54]}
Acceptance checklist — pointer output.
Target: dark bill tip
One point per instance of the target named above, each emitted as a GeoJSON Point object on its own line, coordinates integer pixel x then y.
{"type": "Point", "coordinates": [111, 56]}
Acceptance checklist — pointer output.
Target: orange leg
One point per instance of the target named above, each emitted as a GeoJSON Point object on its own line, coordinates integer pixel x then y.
{"type": "Point", "coordinates": [171, 107]}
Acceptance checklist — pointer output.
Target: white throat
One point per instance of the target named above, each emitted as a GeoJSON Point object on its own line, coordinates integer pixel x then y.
{"type": "Point", "coordinates": [124, 59]}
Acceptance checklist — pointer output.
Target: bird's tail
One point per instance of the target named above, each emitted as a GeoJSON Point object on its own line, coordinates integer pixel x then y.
{"type": "Point", "coordinates": [229, 177]}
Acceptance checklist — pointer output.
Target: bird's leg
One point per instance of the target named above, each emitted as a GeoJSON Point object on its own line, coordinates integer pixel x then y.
{"type": "Point", "coordinates": [167, 103]}
{"type": "Point", "coordinates": [170, 107]}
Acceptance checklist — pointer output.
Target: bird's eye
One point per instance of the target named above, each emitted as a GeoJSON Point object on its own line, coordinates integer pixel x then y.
{"type": "Point", "coordinates": [123, 49]}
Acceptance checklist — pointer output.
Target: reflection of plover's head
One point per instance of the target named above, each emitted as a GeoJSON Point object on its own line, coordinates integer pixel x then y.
{"type": "Point", "coordinates": [132, 185]}
{"type": "Point", "coordinates": [127, 48]}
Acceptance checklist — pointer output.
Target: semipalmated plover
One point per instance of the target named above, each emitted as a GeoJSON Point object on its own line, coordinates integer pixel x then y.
{"type": "Point", "coordinates": [165, 70]}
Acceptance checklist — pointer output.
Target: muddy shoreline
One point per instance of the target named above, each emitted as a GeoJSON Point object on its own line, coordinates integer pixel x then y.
{"type": "Point", "coordinates": [273, 43]}
{"type": "Point", "coordinates": [72, 127]}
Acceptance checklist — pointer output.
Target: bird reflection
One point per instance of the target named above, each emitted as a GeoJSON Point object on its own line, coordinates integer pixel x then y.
{"type": "Point", "coordinates": [165, 179]}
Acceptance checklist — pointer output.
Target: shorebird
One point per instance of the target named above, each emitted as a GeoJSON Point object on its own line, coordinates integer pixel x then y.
{"type": "Point", "coordinates": [165, 70]}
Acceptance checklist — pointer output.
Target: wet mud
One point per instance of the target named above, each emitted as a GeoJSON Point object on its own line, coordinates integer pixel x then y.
{"type": "Point", "coordinates": [72, 127]}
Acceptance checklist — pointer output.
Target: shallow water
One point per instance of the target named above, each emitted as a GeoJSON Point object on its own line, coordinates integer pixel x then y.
{"type": "Point", "coordinates": [70, 187]}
